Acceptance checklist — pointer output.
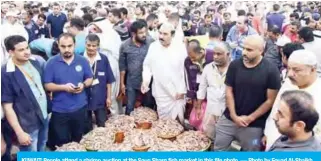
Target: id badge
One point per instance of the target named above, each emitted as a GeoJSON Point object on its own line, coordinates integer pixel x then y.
{"type": "Point", "coordinates": [95, 82]}
{"type": "Point", "coordinates": [198, 78]}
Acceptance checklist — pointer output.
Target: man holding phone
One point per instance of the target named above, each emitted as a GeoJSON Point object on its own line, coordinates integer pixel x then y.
{"type": "Point", "coordinates": [67, 75]}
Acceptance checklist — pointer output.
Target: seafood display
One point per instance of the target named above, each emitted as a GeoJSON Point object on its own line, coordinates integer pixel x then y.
{"type": "Point", "coordinates": [142, 140]}
{"type": "Point", "coordinates": [98, 138]}
{"type": "Point", "coordinates": [193, 141]}
{"type": "Point", "coordinates": [121, 123]}
{"type": "Point", "coordinates": [69, 147]}
{"type": "Point", "coordinates": [144, 114]}
{"type": "Point", "coordinates": [166, 145]}
{"type": "Point", "coordinates": [168, 128]}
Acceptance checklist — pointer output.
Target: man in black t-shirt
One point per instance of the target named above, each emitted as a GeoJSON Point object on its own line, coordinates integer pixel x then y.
{"type": "Point", "coordinates": [252, 85]}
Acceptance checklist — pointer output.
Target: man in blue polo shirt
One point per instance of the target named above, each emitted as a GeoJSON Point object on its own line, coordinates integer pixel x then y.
{"type": "Point", "coordinates": [99, 94]}
{"type": "Point", "coordinates": [67, 75]}
{"type": "Point", "coordinates": [56, 21]}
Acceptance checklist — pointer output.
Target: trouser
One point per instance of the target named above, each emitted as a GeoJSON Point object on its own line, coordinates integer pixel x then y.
{"type": "Point", "coordinates": [227, 131]}
{"type": "Point", "coordinates": [132, 95]}
{"type": "Point", "coordinates": [68, 127]}
{"type": "Point", "coordinates": [39, 139]}
{"type": "Point", "coordinates": [100, 116]}
{"type": "Point", "coordinates": [7, 134]}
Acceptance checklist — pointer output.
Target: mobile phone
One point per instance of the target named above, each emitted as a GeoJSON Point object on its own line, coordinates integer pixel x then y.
{"type": "Point", "coordinates": [76, 87]}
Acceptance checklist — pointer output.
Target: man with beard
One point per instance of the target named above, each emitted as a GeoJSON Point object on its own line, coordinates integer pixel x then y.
{"type": "Point", "coordinates": [152, 23]}
{"type": "Point", "coordinates": [302, 74]}
{"type": "Point", "coordinates": [251, 86]}
{"type": "Point", "coordinates": [132, 54]}
{"type": "Point", "coordinates": [295, 120]}
{"type": "Point", "coordinates": [66, 76]}
{"type": "Point", "coordinates": [165, 63]}
{"type": "Point", "coordinates": [56, 21]}
{"type": "Point", "coordinates": [30, 26]}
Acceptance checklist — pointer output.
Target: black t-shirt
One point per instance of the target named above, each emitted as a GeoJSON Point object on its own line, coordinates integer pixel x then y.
{"type": "Point", "coordinates": [250, 87]}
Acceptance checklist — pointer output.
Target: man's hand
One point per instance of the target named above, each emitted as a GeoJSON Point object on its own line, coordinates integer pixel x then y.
{"type": "Point", "coordinates": [24, 139]}
{"type": "Point", "coordinates": [108, 102]}
{"type": "Point", "coordinates": [144, 89]}
{"type": "Point", "coordinates": [70, 88]}
{"type": "Point", "coordinates": [248, 119]}
{"type": "Point", "coordinates": [179, 96]}
{"type": "Point", "coordinates": [239, 121]}
{"type": "Point", "coordinates": [263, 140]}
{"type": "Point", "coordinates": [122, 88]}
{"type": "Point", "coordinates": [80, 88]}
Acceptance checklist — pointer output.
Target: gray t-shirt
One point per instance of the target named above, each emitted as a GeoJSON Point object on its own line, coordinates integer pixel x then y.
{"type": "Point", "coordinates": [284, 144]}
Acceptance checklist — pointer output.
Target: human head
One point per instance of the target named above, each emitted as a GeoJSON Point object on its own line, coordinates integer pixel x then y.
{"type": "Point", "coordinates": [114, 16]}
{"type": "Point", "coordinates": [4, 8]}
{"type": "Point", "coordinates": [140, 11]}
{"type": "Point", "coordinates": [221, 54]}
{"type": "Point", "coordinates": [294, 27]}
{"type": "Point", "coordinates": [66, 45]}
{"type": "Point", "coordinates": [174, 19]}
{"type": "Point", "coordinates": [17, 47]}
{"type": "Point", "coordinates": [41, 19]}
{"type": "Point", "coordinates": [152, 21]}
{"type": "Point", "coordinates": [27, 17]}
{"type": "Point", "coordinates": [274, 32]}
{"type": "Point", "coordinates": [253, 48]}
{"type": "Point", "coordinates": [302, 66]}
{"type": "Point", "coordinates": [70, 14]}
{"type": "Point", "coordinates": [294, 17]}
{"type": "Point", "coordinates": [306, 34]}
{"type": "Point", "coordinates": [92, 44]}
{"type": "Point", "coordinates": [35, 9]}
{"type": "Point", "coordinates": [241, 23]}
{"type": "Point", "coordinates": [221, 9]}
{"type": "Point", "coordinates": [196, 54]}
{"type": "Point", "coordinates": [276, 7]}
{"type": "Point", "coordinates": [93, 13]}
{"type": "Point", "coordinates": [123, 13]}
{"type": "Point", "coordinates": [227, 16]}
{"type": "Point", "coordinates": [288, 49]}
{"type": "Point", "coordinates": [216, 32]}
{"type": "Point", "coordinates": [208, 19]}
{"type": "Point", "coordinates": [56, 8]}
{"type": "Point", "coordinates": [76, 25]}
{"type": "Point", "coordinates": [241, 13]}
{"type": "Point", "coordinates": [139, 31]}
{"type": "Point", "coordinates": [297, 114]}
{"type": "Point", "coordinates": [250, 16]}
{"type": "Point", "coordinates": [87, 18]}
{"type": "Point", "coordinates": [166, 33]}
{"type": "Point", "coordinates": [197, 15]}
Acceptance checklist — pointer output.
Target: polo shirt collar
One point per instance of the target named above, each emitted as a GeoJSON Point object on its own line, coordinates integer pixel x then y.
{"type": "Point", "coordinates": [97, 57]}
{"type": "Point", "coordinates": [11, 67]}
{"type": "Point", "coordinates": [57, 14]}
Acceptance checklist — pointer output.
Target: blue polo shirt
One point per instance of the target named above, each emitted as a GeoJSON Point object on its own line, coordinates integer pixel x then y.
{"type": "Point", "coordinates": [59, 72]}
{"type": "Point", "coordinates": [97, 93]}
{"type": "Point", "coordinates": [33, 31]}
{"type": "Point", "coordinates": [57, 23]}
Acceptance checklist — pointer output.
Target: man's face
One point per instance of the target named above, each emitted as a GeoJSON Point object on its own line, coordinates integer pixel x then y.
{"type": "Point", "coordinates": [293, 29]}
{"type": "Point", "coordinates": [250, 51]}
{"type": "Point", "coordinates": [299, 74]}
{"type": "Point", "coordinates": [240, 25]}
{"type": "Point", "coordinates": [140, 36]}
{"type": "Point", "coordinates": [273, 36]}
{"type": "Point", "coordinates": [165, 37]}
{"type": "Point", "coordinates": [93, 14]}
{"type": "Point", "coordinates": [195, 57]}
{"type": "Point", "coordinates": [250, 18]}
{"type": "Point", "coordinates": [138, 12]}
{"type": "Point", "coordinates": [92, 47]}
{"type": "Point", "coordinates": [70, 15]}
{"type": "Point", "coordinates": [66, 46]}
{"type": "Point", "coordinates": [227, 17]}
{"type": "Point", "coordinates": [292, 19]}
{"type": "Point", "coordinates": [181, 12]}
{"type": "Point", "coordinates": [21, 51]}
{"type": "Point", "coordinates": [4, 8]}
{"type": "Point", "coordinates": [56, 10]}
{"type": "Point", "coordinates": [220, 56]}
{"type": "Point", "coordinates": [155, 24]}
{"type": "Point", "coordinates": [26, 18]}
{"type": "Point", "coordinates": [208, 20]}
{"type": "Point", "coordinates": [40, 21]}
{"type": "Point", "coordinates": [283, 120]}
{"type": "Point", "coordinates": [111, 18]}
{"type": "Point", "coordinates": [35, 10]}
{"type": "Point", "coordinates": [196, 17]}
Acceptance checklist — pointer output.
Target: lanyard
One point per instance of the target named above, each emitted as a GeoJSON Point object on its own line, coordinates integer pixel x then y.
{"type": "Point", "coordinates": [28, 76]}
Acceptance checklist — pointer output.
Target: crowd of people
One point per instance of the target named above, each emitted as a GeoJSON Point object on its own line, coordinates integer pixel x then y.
{"type": "Point", "coordinates": [250, 71]}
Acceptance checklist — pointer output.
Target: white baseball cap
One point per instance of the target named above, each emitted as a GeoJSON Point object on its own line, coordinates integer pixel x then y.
{"type": "Point", "coordinates": [282, 41]}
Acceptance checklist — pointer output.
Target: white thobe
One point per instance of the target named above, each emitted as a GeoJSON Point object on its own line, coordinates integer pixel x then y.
{"type": "Point", "coordinates": [166, 66]}
{"type": "Point", "coordinates": [271, 132]}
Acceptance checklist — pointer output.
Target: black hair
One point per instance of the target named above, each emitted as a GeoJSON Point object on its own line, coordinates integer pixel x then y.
{"type": "Point", "coordinates": [208, 15]}
{"type": "Point", "coordinates": [87, 17]}
{"type": "Point", "coordinates": [296, 23]}
{"type": "Point", "coordinates": [141, 8]}
{"type": "Point", "coordinates": [306, 33]}
{"type": "Point", "coordinates": [92, 38]}
{"type": "Point", "coordinates": [151, 17]}
{"type": "Point", "coordinates": [249, 14]}
{"type": "Point", "coordinates": [289, 48]}
{"type": "Point", "coordinates": [116, 12]}
{"type": "Point", "coordinates": [215, 31]}
{"type": "Point", "coordinates": [44, 9]}
{"type": "Point", "coordinates": [55, 49]}
{"type": "Point", "coordinates": [295, 15]}
{"type": "Point", "coordinates": [66, 35]}
{"type": "Point", "coordinates": [56, 4]}
{"type": "Point", "coordinates": [137, 25]}
{"type": "Point", "coordinates": [78, 23]}
{"type": "Point", "coordinates": [197, 12]}
{"type": "Point", "coordinates": [274, 29]}
{"type": "Point", "coordinates": [29, 13]}
{"type": "Point", "coordinates": [226, 13]}
{"type": "Point", "coordinates": [197, 49]}
{"type": "Point", "coordinates": [123, 10]}
{"type": "Point", "coordinates": [195, 41]}
{"type": "Point", "coordinates": [11, 41]}
{"type": "Point", "coordinates": [302, 108]}
{"type": "Point", "coordinates": [93, 11]}
{"type": "Point", "coordinates": [241, 13]}
{"type": "Point", "coordinates": [276, 7]}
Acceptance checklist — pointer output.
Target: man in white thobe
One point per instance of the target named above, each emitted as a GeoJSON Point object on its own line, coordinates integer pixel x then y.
{"type": "Point", "coordinates": [165, 63]}
{"type": "Point", "coordinates": [109, 45]}
{"type": "Point", "coordinates": [302, 75]}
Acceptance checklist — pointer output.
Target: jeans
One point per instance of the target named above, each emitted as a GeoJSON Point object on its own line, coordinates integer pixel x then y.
{"type": "Point", "coordinates": [132, 95]}
{"type": "Point", "coordinates": [7, 133]}
{"type": "Point", "coordinates": [39, 139]}
{"type": "Point", "coordinates": [68, 127]}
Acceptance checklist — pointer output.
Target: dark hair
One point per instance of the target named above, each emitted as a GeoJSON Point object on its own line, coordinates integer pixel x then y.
{"type": "Point", "coordinates": [78, 23]}
{"type": "Point", "coordinates": [195, 41]}
{"type": "Point", "coordinates": [207, 15]}
{"type": "Point", "coordinates": [249, 14]}
{"type": "Point", "coordinates": [55, 48]}
{"type": "Point", "coordinates": [66, 35]}
{"type": "Point", "coordinates": [296, 23]}
{"type": "Point", "coordinates": [29, 13]}
{"type": "Point", "coordinates": [123, 10]}
{"type": "Point", "coordinates": [11, 41]}
{"type": "Point", "coordinates": [56, 4]}
{"type": "Point", "coordinates": [289, 48]}
{"type": "Point", "coordinates": [276, 7]}
{"type": "Point", "coordinates": [116, 12]}
{"type": "Point", "coordinates": [274, 29]}
{"type": "Point", "coordinates": [92, 38]}
{"type": "Point", "coordinates": [151, 17]}
{"type": "Point", "coordinates": [93, 11]}
{"type": "Point", "coordinates": [226, 13]}
{"type": "Point", "coordinates": [197, 12]}
{"type": "Point", "coordinates": [301, 107]}
{"type": "Point", "coordinates": [241, 13]}
{"type": "Point", "coordinates": [142, 9]}
{"type": "Point", "coordinates": [87, 17]}
{"type": "Point", "coordinates": [44, 9]}
{"type": "Point", "coordinates": [137, 25]}
{"type": "Point", "coordinates": [306, 33]}
{"type": "Point", "coordinates": [215, 31]}
{"type": "Point", "coordinates": [42, 16]}
{"type": "Point", "coordinates": [197, 49]}
{"type": "Point", "coordinates": [295, 15]}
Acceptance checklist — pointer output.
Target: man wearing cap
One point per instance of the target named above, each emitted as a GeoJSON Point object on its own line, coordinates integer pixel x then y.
{"type": "Point", "coordinates": [302, 75]}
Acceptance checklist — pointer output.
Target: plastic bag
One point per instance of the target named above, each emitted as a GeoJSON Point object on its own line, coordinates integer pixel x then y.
{"type": "Point", "coordinates": [194, 120]}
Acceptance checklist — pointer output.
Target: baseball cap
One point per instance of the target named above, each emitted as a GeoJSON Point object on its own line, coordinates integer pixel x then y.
{"type": "Point", "coordinates": [282, 41]}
